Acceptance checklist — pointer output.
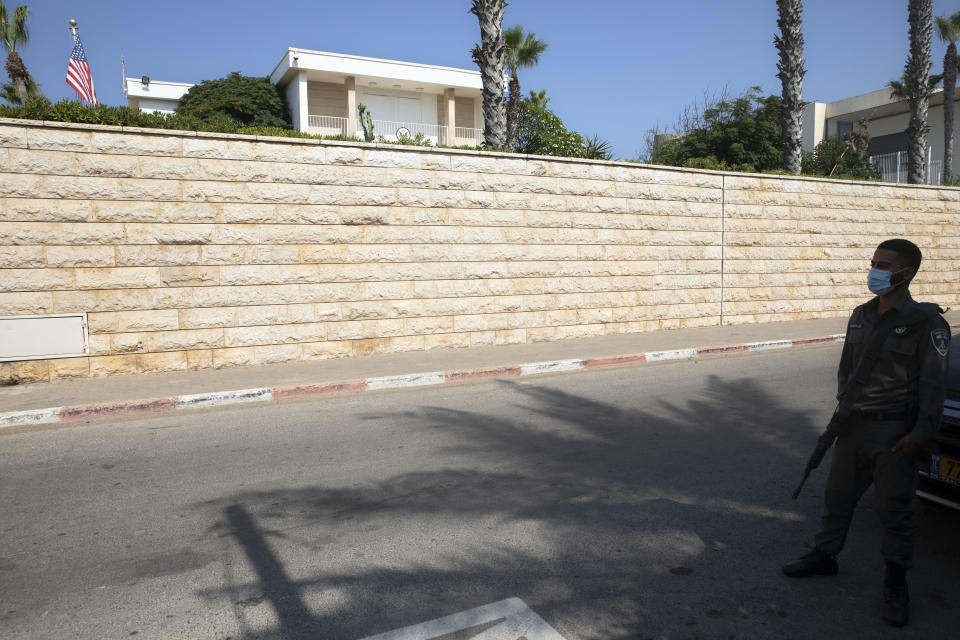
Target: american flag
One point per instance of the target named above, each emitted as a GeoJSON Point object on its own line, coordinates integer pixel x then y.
{"type": "Point", "coordinates": [78, 72]}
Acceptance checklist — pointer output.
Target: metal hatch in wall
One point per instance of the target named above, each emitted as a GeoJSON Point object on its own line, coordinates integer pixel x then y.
{"type": "Point", "coordinates": [61, 335]}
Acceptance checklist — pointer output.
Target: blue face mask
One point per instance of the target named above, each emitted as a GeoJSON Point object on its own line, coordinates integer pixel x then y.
{"type": "Point", "coordinates": [878, 281]}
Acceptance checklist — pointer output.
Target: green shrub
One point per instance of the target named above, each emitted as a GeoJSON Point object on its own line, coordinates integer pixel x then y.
{"type": "Point", "coordinates": [246, 100]}
{"type": "Point", "coordinates": [541, 132]}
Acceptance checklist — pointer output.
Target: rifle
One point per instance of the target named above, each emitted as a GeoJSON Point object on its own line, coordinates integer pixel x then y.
{"type": "Point", "coordinates": [850, 394]}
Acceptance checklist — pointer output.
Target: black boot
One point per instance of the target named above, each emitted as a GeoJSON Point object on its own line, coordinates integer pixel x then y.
{"type": "Point", "coordinates": [896, 597]}
{"type": "Point", "coordinates": [815, 563]}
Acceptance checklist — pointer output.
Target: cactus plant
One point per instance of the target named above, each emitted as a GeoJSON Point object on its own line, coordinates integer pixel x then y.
{"type": "Point", "coordinates": [366, 121]}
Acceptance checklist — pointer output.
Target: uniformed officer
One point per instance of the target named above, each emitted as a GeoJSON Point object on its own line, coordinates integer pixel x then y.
{"type": "Point", "coordinates": [895, 416]}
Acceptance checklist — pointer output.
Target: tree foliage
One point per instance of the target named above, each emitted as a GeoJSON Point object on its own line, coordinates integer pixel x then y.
{"type": "Point", "coordinates": [541, 132]}
{"type": "Point", "coordinates": [738, 134]}
{"type": "Point", "coordinates": [249, 101]}
{"type": "Point", "coordinates": [841, 157]}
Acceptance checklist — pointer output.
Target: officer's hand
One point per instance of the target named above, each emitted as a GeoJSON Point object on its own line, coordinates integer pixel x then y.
{"type": "Point", "coordinates": [906, 443]}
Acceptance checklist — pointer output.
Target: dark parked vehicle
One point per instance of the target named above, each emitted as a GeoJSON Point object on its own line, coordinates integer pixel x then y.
{"type": "Point", "coordinates": [940, 479]}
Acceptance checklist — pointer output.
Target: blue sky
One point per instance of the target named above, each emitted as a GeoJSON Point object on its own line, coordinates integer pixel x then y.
{"type": "Point", "coordinates": [613, 68]}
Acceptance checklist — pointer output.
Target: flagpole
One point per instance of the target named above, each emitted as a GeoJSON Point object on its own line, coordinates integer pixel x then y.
{"type": "Point", "coordinates": [73, 32]}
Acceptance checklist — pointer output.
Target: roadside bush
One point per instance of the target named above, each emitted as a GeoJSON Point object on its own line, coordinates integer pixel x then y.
{"type": "Point", "coordinates": [844, 158]}
{"type": "Point", "coordinates": [541, 132]}
{"type": "Point", "coordinates": [246, 100]}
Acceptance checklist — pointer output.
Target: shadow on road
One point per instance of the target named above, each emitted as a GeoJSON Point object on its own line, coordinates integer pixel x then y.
{"type": "Point", "coordinates": [609, 521]}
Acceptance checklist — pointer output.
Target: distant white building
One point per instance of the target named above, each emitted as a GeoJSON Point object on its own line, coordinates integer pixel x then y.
{"type": "Point", "coordinates": [885, 120]}
{"type": "Point", "coordinates": [323, 91]}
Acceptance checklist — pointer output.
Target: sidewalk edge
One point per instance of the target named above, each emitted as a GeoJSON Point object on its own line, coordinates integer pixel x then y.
{"type": "Point", "coordinates": [269, 394]}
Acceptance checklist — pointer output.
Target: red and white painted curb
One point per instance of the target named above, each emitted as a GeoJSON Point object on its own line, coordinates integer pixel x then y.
{"type": "Point", "coordinates": [268, 394]}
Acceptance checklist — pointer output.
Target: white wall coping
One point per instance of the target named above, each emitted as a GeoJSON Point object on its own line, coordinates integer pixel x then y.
{"type": "Point", "coordinates": [52, 124]}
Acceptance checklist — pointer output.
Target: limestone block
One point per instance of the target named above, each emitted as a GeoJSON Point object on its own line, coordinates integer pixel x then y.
{"type": "Point", "coordinates": [13, 136]}
{"type": "Point", "coordinates": [58, 139]}
{"type": "Point", "coordinates": [63, 368]}
{"type": "Point", "coordinates": [45, 210]}
{"type": "Point", "coordinates": [177, 234]}
{"type": "Point", "coordinates": [140, 189]}
{"type": "Point", "coordinates": [102, 322]}
{"type": "Point", "coordinates": [129, 211]}
{"type": "Point", "coordinates": [446, 341]}
{"type": "Point", "coordinates": [23, 185]}
{"type": "Point", "coordinates": [205, 318]}
{"type": "Point", "coordinates": [203, 147]}
{"type": "Point", "coordinates": [344, 155]}
{"type": "Point", "coordinates": [36, 279]}
{"type": "Point", "coordinates": [118, 277]}
{"type": "Point", "coordinates": [22, 256]}
{"type": "Point", "coordinates": [157, 255]}
{"type": "Point", "coordinates": [74, 302]}
{"type": "Point", "coordinates": [395, 159]}
{"type": "Point", "coordinates": [435, 161]}
{"type": "Point", "coordinates": [307, 214]}
{"type": "Point", "coordinates": [456, 180]}
{"type": "Point", "coordinates": [261, 315]}
{"type": "Point", "coordinates": [113, 365]}
{"type": "Point", "coordinates": [483, 338]}
{"type": "Point", "coordinates": [24, 371]}
{"type": "Point", "coordinates": [391, 328]}
{"type": "Point", "coordinates": [279, 149]}
{"type": "Point", "coordinates": [278, 192]}
{"type": "Point", "coordinates": [156, 362]}
{"type": "Point", "coordinates": [267, 274]}
{"type": "Point", "coordinates": [511, 336]}
{"type": "Point", "coordinates": [474, 322]}
{"type": "Point", "coordinates": [38, 161]}
{"type": "Point", "coordinates": [189, 276]}
{"type": "Point", "coordinates": [326, 349]}
{"type": "Point", "coordinates": [26, 303]}
{"type": "Point", "coordinates": [481, 199]}
{"type": "Point", "coordinates": [127, 343]}
{"type": "Point", "coordinates": [126, 143]}
{"type": "Point", "coordinates": [165, 168]}
{"type": "Point", "coordinates": [185, 339]}
{"type": "Point", "coordinates": [352, 330]}
{"type": "Point", "coordinates": [249, 213]}
{"type": "Point", "coordinates": [233, 357]}
{"type": "Point", "coordinates": [413, 197]}
{"type": "Point", "coordinates": [213, 191]}
{"type": "Point", "coordinates": [273, 354]}
{"type": "Point", "coordinates": [199, 358]}
{"type": "Point", "coordinates": [82, 256]}
{"type": "Point", "coordinates": [152, 320]}
{"type": "Point", "coordinates": [93, 164]}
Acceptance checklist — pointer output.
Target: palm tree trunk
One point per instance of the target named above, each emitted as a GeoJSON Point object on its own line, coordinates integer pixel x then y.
{"type": "Point", "coordinates": [513, 112]}
{"type": "Point", "coordinates": [949, 86]}
{"type": "Point", "coordinates": [489, 56]}
{"type": "Point", "coordinates": [920, 16]}
{"type": "Point", "coordinates": [18, 73]}
{"type": "Point", "coordinates": [790, 45]}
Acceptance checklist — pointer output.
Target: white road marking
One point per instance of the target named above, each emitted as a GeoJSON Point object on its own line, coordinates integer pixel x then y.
{"type": "Point", "coordinates": [224, 397]}
{"type": "Point", "coordinates": [415, 380]}
{"type": "Point", "coordinates": [550, 367]}
{"type": "Point", "coordinates": [36, 416]}
{"type": "Point", "coordinates": [771, 344]}
{"type": "Point", "coordinates": [517, 621]}
{"type": "Point", "coordinates": [675, 354]}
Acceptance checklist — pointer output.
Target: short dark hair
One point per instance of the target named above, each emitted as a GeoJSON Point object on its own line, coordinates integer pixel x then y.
{"type": "Point", "coordinates": [908, 252]}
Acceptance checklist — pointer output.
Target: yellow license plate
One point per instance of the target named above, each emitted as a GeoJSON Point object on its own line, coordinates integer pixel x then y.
{"type": "Point", "coordinates": [945, 469]}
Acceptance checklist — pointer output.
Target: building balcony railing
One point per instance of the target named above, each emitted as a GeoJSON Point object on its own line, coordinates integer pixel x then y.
{"type": "Point", "coordinates": [327, 125]}
{"type": "Point", "coordinates": [391, 130]}
{"type": "Point", "coordinates": [893, 167]}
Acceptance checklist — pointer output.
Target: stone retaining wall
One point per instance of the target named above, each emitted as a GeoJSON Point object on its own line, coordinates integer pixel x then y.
{"type": "Point", "coordinates": [191, 250]}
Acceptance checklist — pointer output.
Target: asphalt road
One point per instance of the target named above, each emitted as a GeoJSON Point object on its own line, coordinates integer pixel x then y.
{"type": "Point", "coordinates": [648, 501]}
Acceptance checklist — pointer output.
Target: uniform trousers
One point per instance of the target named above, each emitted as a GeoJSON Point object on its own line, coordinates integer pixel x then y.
{"type": "Point", "coordinates": [862, 457]}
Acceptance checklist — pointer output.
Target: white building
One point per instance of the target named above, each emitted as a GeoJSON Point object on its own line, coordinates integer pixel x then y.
{"type": "Point", "coordinates": [323, 92]}
{"type": "Point", "coordinates": [884, 120]}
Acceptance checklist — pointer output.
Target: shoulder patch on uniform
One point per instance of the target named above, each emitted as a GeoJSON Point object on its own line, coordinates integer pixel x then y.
{"type": "Point", "coordinates": [856, 325]}
{"type": "Point", "coordinates": [901, 330]}
{"type": "Point", "coordinates": [941, 341]}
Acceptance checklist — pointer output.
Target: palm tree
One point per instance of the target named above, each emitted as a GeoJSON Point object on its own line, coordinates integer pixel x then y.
{"type": "Point", "coordinates": [920, 18]}
{"type": "Point", "coordinates": [790, 71]}
{"type": "Point", "coordinates": [898, 88]}
{"type": "Point", "coordinates": [949, 31]}
{"type": "Point", "coordinates": [539, 98]}
{"type": "Point", "coordinates": [14, 31]}
{"type": "Point", "coordinates": [489, 56]}
{"type": "Point", "coordinates": [523, 52]}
